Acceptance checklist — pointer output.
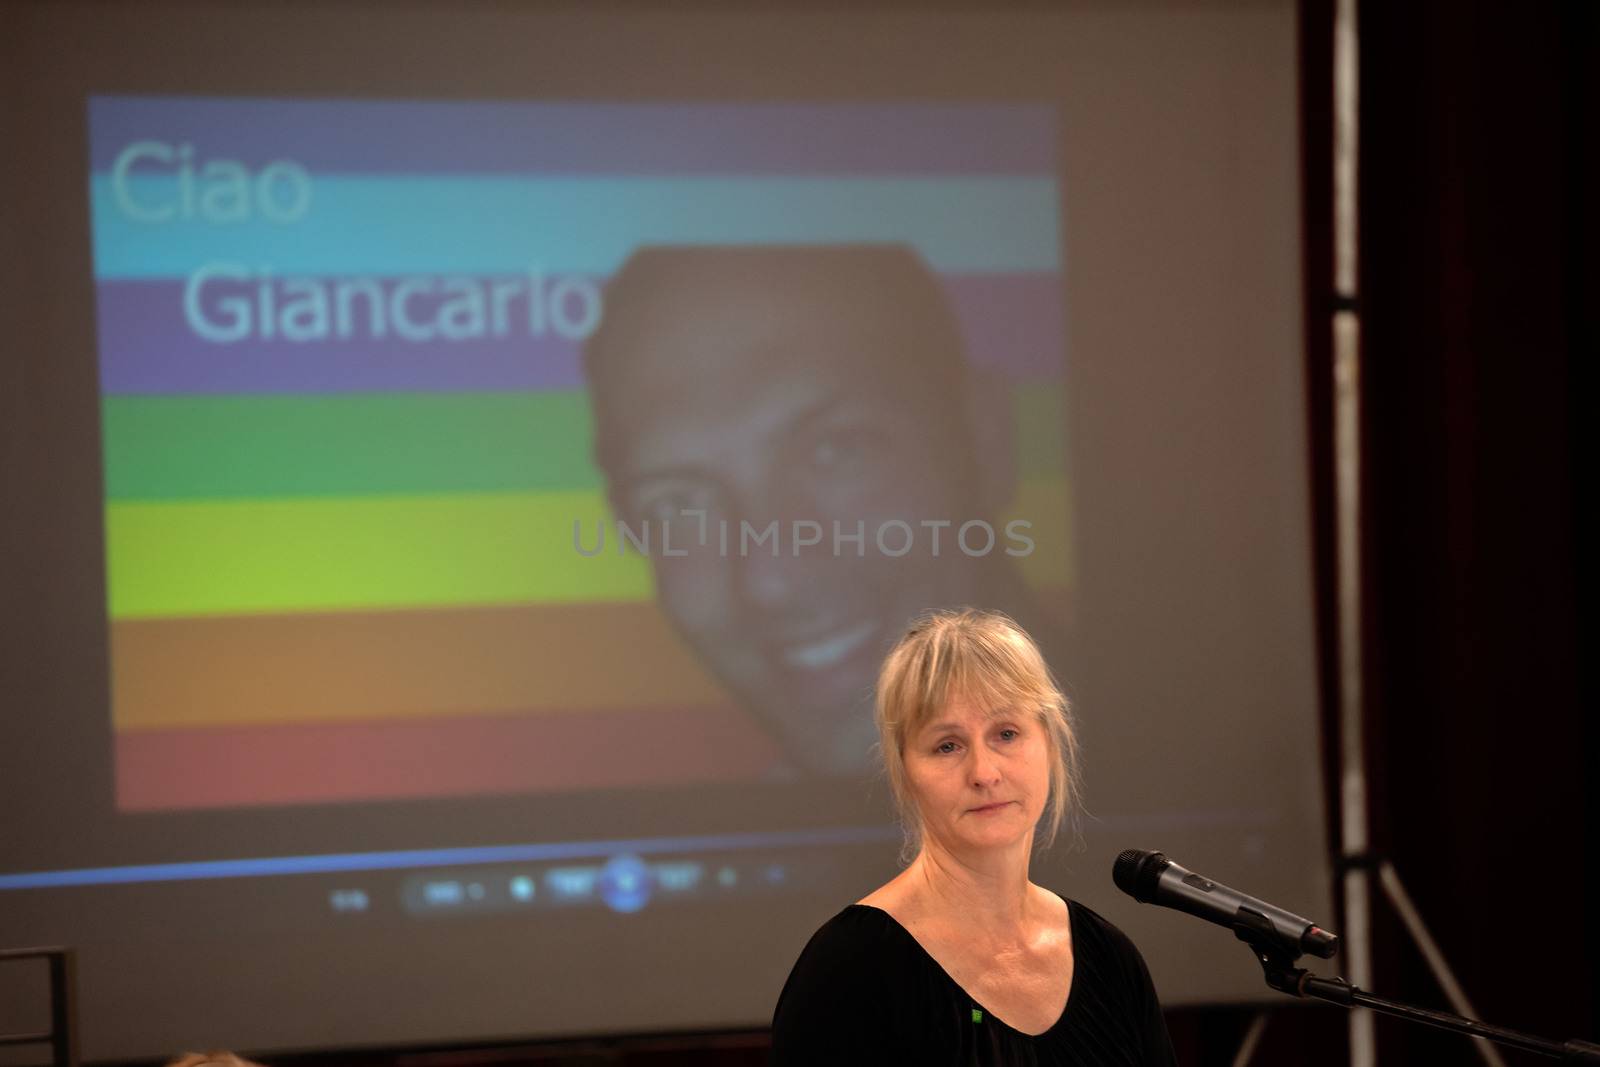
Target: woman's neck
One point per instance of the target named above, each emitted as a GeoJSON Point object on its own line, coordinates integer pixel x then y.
{"type": "Point", "coordinates": [989, 893]}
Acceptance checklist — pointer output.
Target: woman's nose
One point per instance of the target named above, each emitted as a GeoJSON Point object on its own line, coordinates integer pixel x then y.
{"type": "Point", "coordinates": [985, 767]}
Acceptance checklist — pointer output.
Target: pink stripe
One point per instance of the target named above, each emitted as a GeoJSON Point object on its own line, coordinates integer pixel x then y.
{"type": "Point", "coordinates": [322, 763]}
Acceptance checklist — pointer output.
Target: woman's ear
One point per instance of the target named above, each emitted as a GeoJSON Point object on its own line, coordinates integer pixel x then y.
{"type": "Point", "coordinates": [991, 413]}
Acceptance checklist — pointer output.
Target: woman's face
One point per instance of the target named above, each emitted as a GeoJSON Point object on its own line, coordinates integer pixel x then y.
{"type": "Point", "coordinates": [980, 776]}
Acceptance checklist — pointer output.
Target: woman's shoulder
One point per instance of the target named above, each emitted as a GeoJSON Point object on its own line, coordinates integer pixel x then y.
{"type": "Point", "coordinates": [1091, 924]}
{"type": "Point", "coordinates": [1113, 995]}
{"type": "Point", "coordinates": [834, 999]}
{"type": "Point", "coordinates": [1102, 943]}
{"type": "Point", "coordinates": [857, 934]}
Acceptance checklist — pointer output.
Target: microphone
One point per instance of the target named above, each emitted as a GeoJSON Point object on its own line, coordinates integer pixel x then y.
{"type": "Point", "coordinates": [1151, 878]}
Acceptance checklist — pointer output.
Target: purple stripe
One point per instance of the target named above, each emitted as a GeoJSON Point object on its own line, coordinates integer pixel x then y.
{"type": "Point", "coordinates": [147, 347]}
{"type": "Point", "coordinates": [1011, 322]}
{"type": "Point", "coordinates": [448, 137]}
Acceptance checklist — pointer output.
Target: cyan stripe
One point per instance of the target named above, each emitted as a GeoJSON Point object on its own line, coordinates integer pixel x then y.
{"type": "Point", "coordinates": [486, 225]}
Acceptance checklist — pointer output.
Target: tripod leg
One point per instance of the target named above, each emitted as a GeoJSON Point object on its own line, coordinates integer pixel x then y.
{"type": "Point", "coordinates": [1252, 1038]}
{"type": "Point", "coordinates": [1389, 878]}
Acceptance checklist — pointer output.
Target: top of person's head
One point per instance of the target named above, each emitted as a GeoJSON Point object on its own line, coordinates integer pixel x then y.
{"type": "Point", "coordinates": [986, 658]}
{"type": "Point", "coordinates": [216, 1058]}
{"type": "Point", "coordinates": [872, 313]}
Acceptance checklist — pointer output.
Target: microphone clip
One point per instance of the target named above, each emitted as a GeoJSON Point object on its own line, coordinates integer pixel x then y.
{"type": "Point", "coordinates": [1277, 961]}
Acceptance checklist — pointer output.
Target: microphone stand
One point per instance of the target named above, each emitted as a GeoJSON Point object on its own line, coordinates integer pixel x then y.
{"type": "Point", "coordinates": [1278, 963]}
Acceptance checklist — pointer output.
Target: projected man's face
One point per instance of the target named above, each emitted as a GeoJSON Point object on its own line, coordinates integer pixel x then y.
{"type": "Point", "coordinates": [757, 409]}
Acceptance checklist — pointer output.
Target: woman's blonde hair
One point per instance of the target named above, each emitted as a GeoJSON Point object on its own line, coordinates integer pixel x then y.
{"type": "Point", "coordinates": [218, 1058]}
{"type": "Point", "coordinates": [985, 657]}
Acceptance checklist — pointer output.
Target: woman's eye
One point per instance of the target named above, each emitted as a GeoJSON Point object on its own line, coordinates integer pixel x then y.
{"type": "Point", "coordinates": [946, 747]}
{"type": "Point", "coordinates": [1009, 734]}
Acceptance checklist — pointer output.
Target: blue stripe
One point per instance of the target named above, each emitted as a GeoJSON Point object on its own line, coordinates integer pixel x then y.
{"type": "Point", "coordinates": [487, 225]}
{"type": "Point", "coordinates": [1230, 818]}
{"type": "Point", "coordinates": [439, 857]}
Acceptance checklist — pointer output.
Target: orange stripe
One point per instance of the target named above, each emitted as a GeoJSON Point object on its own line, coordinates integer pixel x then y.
{"type": "Point", "coordinates": [245, 670]}
{"type": "Point", "coordinates": [349, 762]}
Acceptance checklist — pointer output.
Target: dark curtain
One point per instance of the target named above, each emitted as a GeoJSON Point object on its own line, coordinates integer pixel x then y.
{"type": "Point", "coordinates": [1477, 296]}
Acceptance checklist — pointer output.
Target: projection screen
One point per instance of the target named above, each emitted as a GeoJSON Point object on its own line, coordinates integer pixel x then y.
{"type": "Point", "coordinates": [465, 464]}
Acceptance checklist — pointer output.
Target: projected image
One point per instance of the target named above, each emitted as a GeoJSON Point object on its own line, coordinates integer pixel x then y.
{"type": "Point", "coordinates": [804, 424]}
{"type": "Point", "coordinates": [493, 448]}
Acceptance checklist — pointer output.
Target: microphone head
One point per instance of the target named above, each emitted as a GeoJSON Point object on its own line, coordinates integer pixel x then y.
{"type": "Point", "coordinates": [1136, 873]}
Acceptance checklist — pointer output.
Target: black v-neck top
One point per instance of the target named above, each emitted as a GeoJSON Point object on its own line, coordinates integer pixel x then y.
{"type": "Point", "coordinates": [865, 991]}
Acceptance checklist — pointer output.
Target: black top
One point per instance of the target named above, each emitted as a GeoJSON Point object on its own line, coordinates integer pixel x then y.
{"type": "Point", "coordinates": [865, 991]}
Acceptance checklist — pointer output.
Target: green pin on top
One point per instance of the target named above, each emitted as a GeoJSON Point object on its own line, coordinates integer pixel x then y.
{"type": "Point", "coordinates": [977, 1015]}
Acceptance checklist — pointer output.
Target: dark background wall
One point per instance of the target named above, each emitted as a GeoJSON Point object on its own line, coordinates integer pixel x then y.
{"type": "Point", "coordinates": [1477, 286]}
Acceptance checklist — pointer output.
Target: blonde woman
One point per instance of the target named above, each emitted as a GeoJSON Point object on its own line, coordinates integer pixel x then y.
{"type": "Point", "coordinates": [961, 959]}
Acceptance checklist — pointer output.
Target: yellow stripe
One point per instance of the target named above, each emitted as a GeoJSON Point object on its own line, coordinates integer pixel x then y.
{"type": "Point", "coordinates": [230, 557]}
{"type": "Point", "coordinates": [187, 558]}
{"type": "Point", "coordinates": [1046, 505]}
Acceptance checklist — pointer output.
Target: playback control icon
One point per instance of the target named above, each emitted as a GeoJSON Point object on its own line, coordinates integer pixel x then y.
{"type": "Point", "coordinates": [626, 884]}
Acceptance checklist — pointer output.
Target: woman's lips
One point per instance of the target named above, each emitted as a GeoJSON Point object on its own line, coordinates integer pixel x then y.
{"type": "Point", "coordinates": [987, 808]}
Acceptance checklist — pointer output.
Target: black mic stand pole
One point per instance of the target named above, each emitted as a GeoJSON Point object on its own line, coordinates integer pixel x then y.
{"type": "Point", "coordinates": [1282, 975]}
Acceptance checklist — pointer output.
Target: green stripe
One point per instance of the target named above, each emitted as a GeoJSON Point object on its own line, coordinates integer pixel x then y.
{"type": "Point", "coordinates": [225, 557]}
{"type": "Point", "coordinates": [184, 447]}
{"type": "Point", "coordinates": [246, 447]}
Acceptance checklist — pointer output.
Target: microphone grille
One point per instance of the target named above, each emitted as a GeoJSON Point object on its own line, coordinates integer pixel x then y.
{"type": "Point", "coordinates": [1136, 873]}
